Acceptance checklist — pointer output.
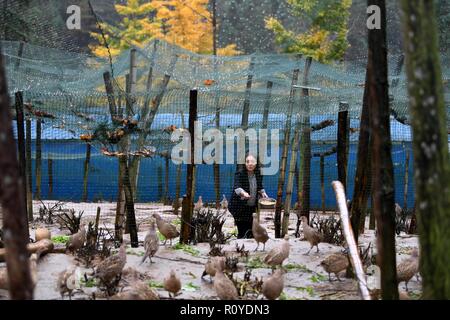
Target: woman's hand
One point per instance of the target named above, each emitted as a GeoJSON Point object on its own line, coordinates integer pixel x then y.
{"type": "Point", "coordinates": [245, 196]}
{"type": "Point", "coordinates": [264, 195]}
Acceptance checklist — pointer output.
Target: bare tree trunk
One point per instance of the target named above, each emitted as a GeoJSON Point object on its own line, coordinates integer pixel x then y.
{"type": "Point", "coordinates": [431, 156]}
{"type": "Point", "coordinates": [21, 145]}
{"type": "Point", "coordinates": [13, 203]}
{"type": "Point", "coordinates": [86, 173]}
{"type": "Point", "coordinates": [383, 171]}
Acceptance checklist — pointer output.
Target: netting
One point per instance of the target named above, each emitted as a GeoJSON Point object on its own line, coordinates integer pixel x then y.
{"type": "Point", "coordinates": [65, 90]}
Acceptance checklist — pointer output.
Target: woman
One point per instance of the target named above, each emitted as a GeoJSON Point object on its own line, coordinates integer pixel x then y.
{"type": "Point", "coordinates": [244, 199]}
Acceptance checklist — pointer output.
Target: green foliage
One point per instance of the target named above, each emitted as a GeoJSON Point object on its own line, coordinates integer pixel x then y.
{"type": "Point", "coordinates": [309, 290]}
{"type": "Point", "coordinates": [326, 38]}
{"type": "Point", "coordinates": [155, 284]}
{"type": "Point", "coordinates": [190, 287]}
{"type": "Point", "coordinates": [256, 263]}
{"type": "Point", "coordinates": [60, 239]}
{"type": "Point", "coordinates": [186, 248]}
{"type": "Point", "coordinates": [295, 266]}
{"type": "Point", "coordinates": [160, 236]}
{"type": "Point", "coordinates": [318, 277]}
{"type": "Point", "coordinates": [90, 283]}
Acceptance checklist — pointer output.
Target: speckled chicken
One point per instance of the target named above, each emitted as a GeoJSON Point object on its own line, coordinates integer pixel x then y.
{"type": "Point", "coordinates": [224, 203]}
{"type": "Point", "coordinates": [313, 236]}
{"type": "Point", "coordinates": [277, 255]}
{"type": "Point", "coordinates": [274, 285]}
{"type": "Point", "coordinates": [76, 240]}
{"type": "Point", "coordinates": [138, 291]}
{"type": "Point", "coordinates": [223, 286]}
{"type": "Point", "coordinates": [151, 243]}
{"type": "Point", "coordinates": [210, 266]}
{"type": "Point", "coordinates": [172, 284]}
{"type": "Point", "coordinates": [66, 282]}
{"type": "Point", "coordinates": [199, 204]}
{"type": "Point", "coordinates": [168, 230]}
{"type": "Point", "coordinates": [259, 232]}
{"type": "Point", "coordinates": [335, 263]}
{"type": "Point", "coordinates": [408, 268]}
{"type": "Point", "coordinates": [111, 268]}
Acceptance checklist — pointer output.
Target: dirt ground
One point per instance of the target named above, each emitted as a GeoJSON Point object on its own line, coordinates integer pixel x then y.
{"type": "Point", "coordinates": [305, 278]}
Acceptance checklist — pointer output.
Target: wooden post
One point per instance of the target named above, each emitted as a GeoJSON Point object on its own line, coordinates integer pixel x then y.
{"type": "Point", "coordinates": [267, 104]}
{"type": "Point", "coordinates": [286, 141]}
{"type": "Point", "coordinates": [405, 182]}
{"type": "Point", "coordinates": [293, 160]}
{"type": "Point", "coordinates": [129, 204]}
{"type": "Point", "coordinates": [248, 89]}
{"type": "Point", "coordinates": [383, 171]}
{"type": "Point", "coordinates": [166, 180]}
{"type": "Point", "coordinates": [179, 172]}
{"type": "Point", "coordinates": [187, 212]}
{"type": "Point", "coordinates": [29, 170]}
{"type": "Point", "coordinates": [342, 143]}
{"type": "Point", "coordinates": [306, 151]}
{"type": "Point", "coordinates": [363, 176]}
{"type": "Point", "coordinates": [21, 144]}
{"type": "Point", "coordinates": [38, 158]}
{"type": "Point", "coordinates": [110, 92]}
{"type": "Point", "coordinates": [86, 172]}
{"type": "Point", "coordinates": [13, 205]}
{"type": "Point", "coordinates": [322, 182]}
{"type": "Point", "coordinates": [50, 176]}
{"type": "Point", "coordinates": [97, 221]}
{"type": "Point", "coordinates": [160, 183]}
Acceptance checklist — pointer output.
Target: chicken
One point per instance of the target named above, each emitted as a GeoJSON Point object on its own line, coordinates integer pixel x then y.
{"type": "Point", "coordinates": [67, 282]}
{"type": "Point", "coordinates": [77, 240]}
{"type": "Point", "coordinates": [172, 284]}
{"type": "Point", "coordinates": [223, 286]}
{"type": "Point", "coordinates": [111, 268]}
{"type": "Point", "coordinates": [199, 205]}
{"type": "Point", "coordinates": [277, 255]}
{"type": "Point", "coordinates": [335, 263]}
{"type": "Point", "coordinates": [168, 230]}
{"type": "Point", "coordinates": [273, 286]}
{"type": "Point", "coordinates": [259, 232]}
{"type": "Point", "coordinates": [408, 268]}
{"type": "Point", "coordinates": [151, 242]}
{"type": "Point", "coordinates": [224, 203]}
{"type": "Point", "coordinates": [138, 291]}
{"type": "Point", "coordinates": [211, 266]}
{"type": "Point", "coordinates": [313, 236]}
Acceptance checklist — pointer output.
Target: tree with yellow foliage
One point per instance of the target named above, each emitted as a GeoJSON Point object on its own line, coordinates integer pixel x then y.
{"type": "Point", "coordinates": [326, 39]}
{"type": "Point", "coordinates": [188, 24]}
{"type": "Point", "coordinates": [135, 29]}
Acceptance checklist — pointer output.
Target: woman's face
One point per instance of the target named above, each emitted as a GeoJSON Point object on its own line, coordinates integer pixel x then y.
{"type": "Point", "coordinates": [250, 163]}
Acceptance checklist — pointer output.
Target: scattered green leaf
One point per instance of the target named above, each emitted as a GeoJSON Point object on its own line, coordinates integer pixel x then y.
{"type": "Point", "coordinates": [60, 239]}
{"type": "Point", "coordinates": [318, 277]}
{"type": "Point", "coordinates": [136, 253]}
{"type": "Point", "coordinates": [309, 290]}
{"type": "Point", "coordinates": [256, 263]}
{"type": "Point", "coordinates": [160, 236]}
{"type": "Point", "coordinates": [177, 222]}
{"type": "Point", "coordinates": [186, 248]}
{"type": "Point", "coordinates": [190, 287]}
{"type": "Point", "coordinates": [154, 284]}
{"type": "Point", "coordinates": [295, 266]}
{"type": "Point", "coordinates": [88, 284]}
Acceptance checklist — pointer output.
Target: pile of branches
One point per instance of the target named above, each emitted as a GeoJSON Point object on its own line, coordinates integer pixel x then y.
{"type": "Point", "coordinates": [70, 220]}
{"type": "Point", "coordinates": [403, 222]}
{"type": "Point", "coordinates": [207, 226]}
{"type": "Point", "coordinates": [99, 243]}
{"type": "Point", "coordinates": [47, 212]}
{"type": "Point", "coordinates": [330, 228]}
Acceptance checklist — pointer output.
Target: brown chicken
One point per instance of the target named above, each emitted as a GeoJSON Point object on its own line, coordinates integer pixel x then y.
{"type": "Point", "coordinates": [313, 236]}
{"type": "Point", "coordinates": [168, 230]}
{"type": "Point", "coordinates": [335, 263]}
{"type": "Point", "coordinates": [277, 255]}
{"type": "Point", "coordinates": [210, 266]}
{"type": "Point", "coordinates": [274, 285]}
{"type": "Point", "coordinates": [408, 268]}
{"type": "Point", "coordinates": [224, 287]}
{"type": "Point", "coordinates": [76, 240]}
{"type": "Point", "coordinates": [138, 291]}
{"type": "Point", "coordinates": [111, 268]}
{"type": "Point", "coordinates": [66, 282]}
{"type": "Point", "coordinates": [151, 243]}
{"type": "Point", "coordinates": [172, 284]}
{"type": "Point", "coordinates": [259, 232]}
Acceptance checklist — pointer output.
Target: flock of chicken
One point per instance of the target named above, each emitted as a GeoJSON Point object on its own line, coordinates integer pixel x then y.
{"type": "Point", "coordinates": [112, 267]}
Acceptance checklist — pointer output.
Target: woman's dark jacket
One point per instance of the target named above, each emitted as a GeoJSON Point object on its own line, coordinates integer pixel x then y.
{"type": "Point", "coordinates": [237, 207]}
